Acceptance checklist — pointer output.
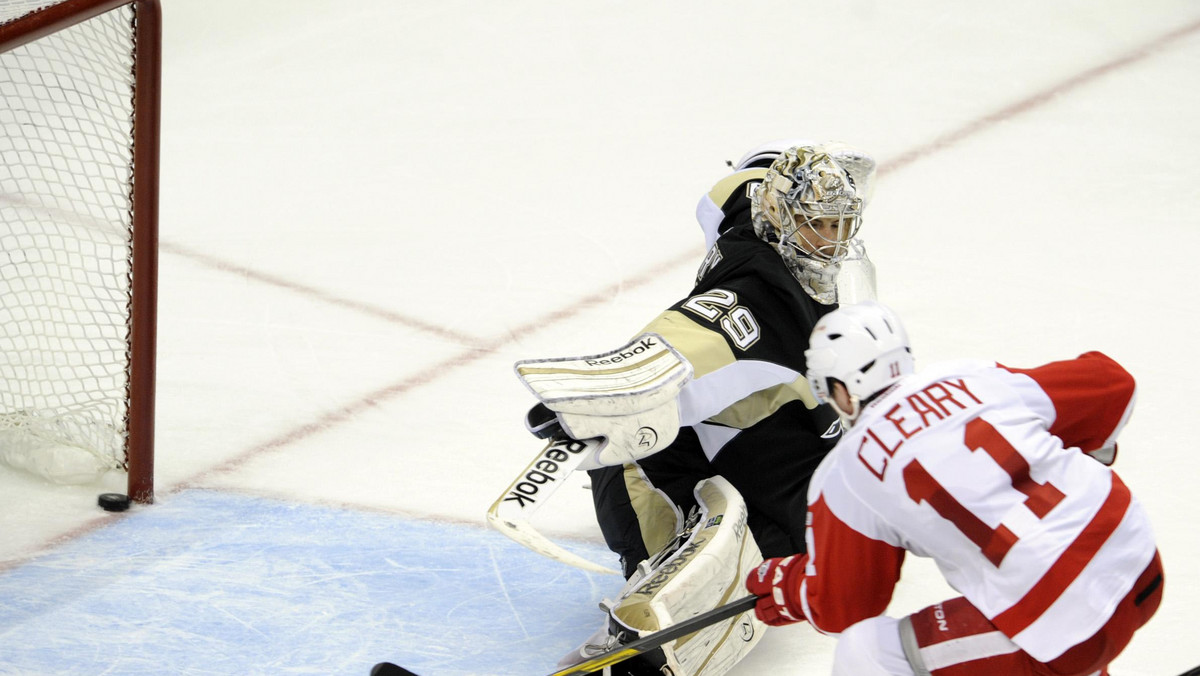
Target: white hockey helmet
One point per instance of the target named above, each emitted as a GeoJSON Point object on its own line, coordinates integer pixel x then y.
{"type": "Point", "coordinates": [864, 346]}
{"type": "Point", "coordinates": [807, 190]}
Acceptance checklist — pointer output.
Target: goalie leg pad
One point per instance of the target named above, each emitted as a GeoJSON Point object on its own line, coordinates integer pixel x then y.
{"type": "Point", "coordinates": [700, 571]}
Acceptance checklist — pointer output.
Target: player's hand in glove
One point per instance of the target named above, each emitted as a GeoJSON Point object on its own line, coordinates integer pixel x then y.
{"type": "Point", "coordinates": [543, 423]}
{"type": "Point", "coordinates": [777, 584]}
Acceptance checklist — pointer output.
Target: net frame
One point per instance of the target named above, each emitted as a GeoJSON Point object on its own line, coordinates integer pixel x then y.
{"type": "Point", "coordinates": [45, 19]}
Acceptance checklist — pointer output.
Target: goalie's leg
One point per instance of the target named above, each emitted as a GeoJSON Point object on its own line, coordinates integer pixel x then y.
{"type": "Point", "coordinates": [701, 569]}
{"type": "Point", "coordinates": [641, 507]}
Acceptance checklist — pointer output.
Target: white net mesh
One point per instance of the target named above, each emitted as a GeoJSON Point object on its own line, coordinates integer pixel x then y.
{"type": "Point", "coordinates": [65, 245]}
{"type": "Point", "coordinates": [14, 9]}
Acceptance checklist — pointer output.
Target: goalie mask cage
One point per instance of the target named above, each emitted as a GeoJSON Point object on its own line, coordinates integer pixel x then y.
{"type": "Point", "coordinates": [79, 127]}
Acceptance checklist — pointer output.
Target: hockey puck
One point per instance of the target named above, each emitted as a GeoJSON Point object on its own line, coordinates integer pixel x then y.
{"type": "Point", "coordinates": [114, 502]}
{"type": "Point", "coordinates": [389, 669]}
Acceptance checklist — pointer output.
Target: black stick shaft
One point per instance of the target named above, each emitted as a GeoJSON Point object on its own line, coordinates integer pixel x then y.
{"type": "Point", "coordinates": [624, 652]}
{"type": "Point", "coordinates": [652, 641]}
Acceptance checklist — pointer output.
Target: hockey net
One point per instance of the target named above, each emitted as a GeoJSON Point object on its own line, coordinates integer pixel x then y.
{"type": "Point", "coordinates": [79, 109]}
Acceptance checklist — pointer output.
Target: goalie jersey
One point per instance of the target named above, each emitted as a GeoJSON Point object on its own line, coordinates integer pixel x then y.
{"type": "Point", "coordinates": [747, 414]}
{"type": "Point", "coordinates": [744, 329]}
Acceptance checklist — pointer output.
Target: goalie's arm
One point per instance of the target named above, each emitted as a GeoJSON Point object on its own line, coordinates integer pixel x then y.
{"type": "Point", "coordinates": [730, 386]}
{"type": "Point", "coordinates": [678, 373]}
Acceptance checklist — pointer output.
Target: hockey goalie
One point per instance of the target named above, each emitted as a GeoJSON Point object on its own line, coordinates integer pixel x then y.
{"type": "Point", "coordinates": [700, 435]}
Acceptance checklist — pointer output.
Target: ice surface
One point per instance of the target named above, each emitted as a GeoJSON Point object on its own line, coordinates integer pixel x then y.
{"type": "Point", "coordinates": [370, 210]}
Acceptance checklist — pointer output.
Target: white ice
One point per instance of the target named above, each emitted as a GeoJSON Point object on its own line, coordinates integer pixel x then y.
{"type": "Point", "coordinates": [370, 210]}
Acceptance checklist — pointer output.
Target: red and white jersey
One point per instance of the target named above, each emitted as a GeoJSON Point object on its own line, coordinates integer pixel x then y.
{"type": "Point", "coordinates": [980, 468]}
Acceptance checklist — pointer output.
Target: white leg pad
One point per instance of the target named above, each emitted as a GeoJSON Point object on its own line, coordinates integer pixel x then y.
{"type": "Point", "coordinates": [707, 571]}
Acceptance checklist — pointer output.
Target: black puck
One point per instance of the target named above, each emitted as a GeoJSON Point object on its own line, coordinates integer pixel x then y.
{"type": "Point", "coordinates": [389, 669]}
{"type": "Point", "coordinates": [113, 502]}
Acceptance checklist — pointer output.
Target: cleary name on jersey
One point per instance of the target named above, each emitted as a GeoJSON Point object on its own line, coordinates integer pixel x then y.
{"type": "Point", "coordinates": [980, 468]}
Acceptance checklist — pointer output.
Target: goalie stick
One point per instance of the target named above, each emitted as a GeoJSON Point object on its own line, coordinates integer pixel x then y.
{"type": "Point", "coordinates": [632, 649]}
{"type": "Point", "coordinates": [511, 512]}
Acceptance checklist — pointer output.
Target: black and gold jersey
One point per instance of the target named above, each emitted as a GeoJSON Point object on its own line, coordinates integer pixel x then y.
{"type": "Point", "coordinates": [744, 328]}
{"type": "Point", "coordinates": [748, 413]}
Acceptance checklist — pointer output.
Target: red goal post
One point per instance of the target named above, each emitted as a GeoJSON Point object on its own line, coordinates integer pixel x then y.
{"type": "Point", "coordinates": [79, 157]}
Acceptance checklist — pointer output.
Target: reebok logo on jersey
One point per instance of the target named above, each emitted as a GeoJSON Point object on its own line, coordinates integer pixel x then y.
{"type": "Point", "coordinates": [834, 430]}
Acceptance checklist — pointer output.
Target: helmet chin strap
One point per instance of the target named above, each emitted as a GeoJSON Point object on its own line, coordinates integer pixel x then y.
{"type": "Point", "coordinates": [848, 417]}
{"type": "Point", "coordinates": [856, 405]}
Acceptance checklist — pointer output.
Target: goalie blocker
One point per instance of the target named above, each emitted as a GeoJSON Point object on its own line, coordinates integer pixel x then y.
{"type": "Point", "coordinates": [626, 397]}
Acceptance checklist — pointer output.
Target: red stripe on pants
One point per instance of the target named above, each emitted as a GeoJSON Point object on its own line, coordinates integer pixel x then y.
{"type": "Point", "coordinates": [957, 618]}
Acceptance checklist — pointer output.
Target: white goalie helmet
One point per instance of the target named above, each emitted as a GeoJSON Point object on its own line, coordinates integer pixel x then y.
{"type": "Point", "coordinates": [809, 208]}
{"type": "Point", "coordinates": [763, 155]}
{"type": "Point", "coordinates": [864, 346]}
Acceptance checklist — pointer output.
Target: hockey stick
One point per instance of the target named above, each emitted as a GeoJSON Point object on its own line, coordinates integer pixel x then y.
{"type": "Point", "coordinates": [651, 641]}
{"type": "Point", "coordinates": [511, 512]}
{"type": "Point", "coordinates": [632, 649]}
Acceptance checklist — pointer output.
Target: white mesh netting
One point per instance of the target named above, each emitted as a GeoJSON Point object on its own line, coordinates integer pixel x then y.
{"type": "Point", "coordinates": [65, 245]}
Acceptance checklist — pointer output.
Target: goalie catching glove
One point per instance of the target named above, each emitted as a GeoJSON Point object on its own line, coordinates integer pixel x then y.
{"type": "Point", "coordinates": [777, 584]}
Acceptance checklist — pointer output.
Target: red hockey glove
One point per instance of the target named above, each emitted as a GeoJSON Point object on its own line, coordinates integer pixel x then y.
{"type": "Point", "coordinates": [777, 584]}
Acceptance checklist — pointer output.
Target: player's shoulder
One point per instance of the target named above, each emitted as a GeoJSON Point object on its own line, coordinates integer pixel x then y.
{"type": "Point", "coordinates": [985, 375]}
{"type": "Point", "coordinates": [962, 372]}
{"type": "Point", "coordinates": [727, 204]}
{"type": "Point", "coordinates": [739, 185]}
{"type": "Point", "coordinates": [951, 368]}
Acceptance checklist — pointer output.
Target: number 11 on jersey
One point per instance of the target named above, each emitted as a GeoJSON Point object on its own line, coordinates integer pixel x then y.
{"type": "Point", "coordinates": [995, 543]}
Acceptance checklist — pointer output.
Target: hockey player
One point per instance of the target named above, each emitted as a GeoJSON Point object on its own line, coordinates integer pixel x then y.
{"type": "Point", "coordinates": [1000, 476]}
{"type": "Point", "coordinates": [780, 228]}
